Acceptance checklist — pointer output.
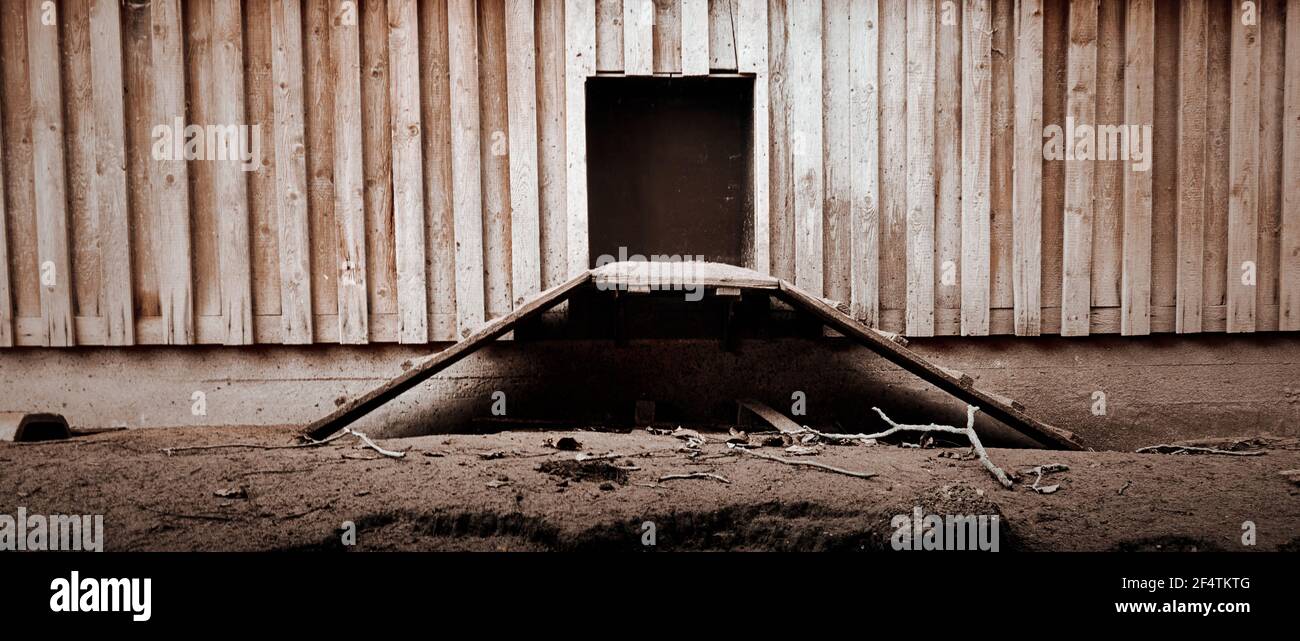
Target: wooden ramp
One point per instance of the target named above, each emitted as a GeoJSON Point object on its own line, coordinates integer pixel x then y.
{"type": "Point", "coordinates": [687, 275]}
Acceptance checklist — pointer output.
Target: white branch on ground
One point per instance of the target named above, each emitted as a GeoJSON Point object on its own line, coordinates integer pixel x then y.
{"type": "Point", "coordinates": [1168, 448]}
{"type": "Point", "coordinates": [968, 432]}
{"type": "Point", "coordinates": [694, 475]}
{"type": "Point", "coordinates": [820, 466]}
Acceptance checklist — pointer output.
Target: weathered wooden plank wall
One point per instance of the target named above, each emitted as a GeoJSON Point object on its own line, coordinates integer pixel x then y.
{"type": "Point", "coordinates": [298, 171]}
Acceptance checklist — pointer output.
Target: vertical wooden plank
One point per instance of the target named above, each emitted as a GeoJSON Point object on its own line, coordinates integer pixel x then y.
{"type": "Point", "coordinates": [170, 178]}
{"type": "Point", "coordinates": [495, 165]}
{"type": "Point", "coordinates": [204, 245]}
{"type": "Point", "coordinates": [1027, 218]}
{"type": "Point", "coordinates": [110, 173]}
{"type": "Point", "coordinates": [47, 165]}
{"type": "Point", "coordinates": [1243, 171]}
{"type": "Point", "coordinates": [752, 33]}
{"type": "Point", "coordinates": [836, 110]}
{"type": "Point", "coordinates": [318, 87]}
{"type": "Point", "coordinates": [1107, 215]}
{"type": "Point", "coordinates": [667, 36]}
{"type": "Point", "coordinates": [291, 173]}
{"type": "Point", "coordinates": [638, 38]}
{"type": "Point", "coordinates": [1272, 23]}
{"type": "Point", "coordinates": [1139, 96]}
{"type": "Point", "coordinates": [722, 35]}
{"type": "Point", "coordinates": [1220, 16]}
{"type": "Point", "coordinates": [1002, 155]}
{"type": "Point", "coordinates": [440, 256]}
{"type": "Point", "coordinates": [6, 297]}
{"type": "Point", "coordinates": [864, 160]}
{"type": "Point", "coordinates": [381, 262]}
{"type": "Point", "coordinates": [892, 268]}
{"type": "Point", "coordinates": [260, 107]}
{"type": "Point", "coordinates": [579, 45]}
{"type": "Point", "coordinates": [1191, 167]}
{"type": "Point", "coordinates": [695, 37]}
{"type": "Point", "coordinates": [521, 70]}
{"type": "Point", "coordinates": [920, 168]}
{"type": "Point", "coordinates": [467, 204]}
{"type": "Point", "coordinates": [1056, 41]}
{"type": "Point", "coordinates": [231, 186]}
{"type": "Point", "coordinates": [1289, 264]}
{"type": "Point", "coordinates": [349, 183]}
{"type": "Point", "coordinates": [976, 147]}
{"type": "Point", "coordinates": [1076, 300]}
{"type": "Point", "coordinates": [408, 168]}
{"type": "Point", "coordinates": [948, 171]}
{"type": "Point", "coordinates": [551, 133]}
{"type": "Point", "coordinates": [805, 95]}
{"type": "Point", "coordinates": [84, 250]}
{"type": "Point", "coordinates": [780, 178]}
{"type": "Point", "coordinates": [609, 35]}
{"type": "Point", "coordinates": [1164, 163]}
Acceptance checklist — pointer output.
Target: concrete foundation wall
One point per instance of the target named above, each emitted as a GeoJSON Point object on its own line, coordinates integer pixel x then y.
{"type": "Point", "coordinates": [1155, 389]}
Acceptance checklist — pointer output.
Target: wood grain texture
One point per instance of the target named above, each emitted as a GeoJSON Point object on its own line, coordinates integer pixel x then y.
{"type": "Point", "coordinates": [291, 173]}
{"type": "Point", "coordinates": [668, 36]}
{"type": "Point", "coordinates": [440, 236]}
{"type": "Point", "coordinates": [1243, 173]}
{"type": "Point", "coordinates": [260, 108]}
{"type": "Point", "coordinates": [230, 184]}
{"type": "Point", "coordinates": [1027, 203]}
{"type": "Point", "coordinates": [864, 161]}
{"type": "Point", "coordinates": [494, 163]}
{"type": "Point", "coordinates": [638, 37]}
{"type": "Point", "coordinates": [836, 113]}
{"type": "Point", "coordinates": [580, 45]}
{"type": "Point", "coordinates": [948, 149]}
{"type": "Point", "coordinates": [377, 142]}
{"type": "Point", "coordinates": [110, 195]}
{"type": "Point", "coordinates": [1289, 263]}
{"type": "Point", "coordinates": [1272, 22]}
{"type": "Point", "coordinates": [349, 178]}
{"type": "Point", "coordinates": [781, 228]}
{"type": "Point", "coordinates": [976, 147]}
{"type": "Point", "coordinates": [752, 32]}
{"type": "Point", "coordinates": [893, 159]}
{"type": "Point", "coordinates": [466, 188]}
{"type": "Point", "coordinates": [920, 167]}
{"type": "Point", "coordinates": [318, 96]}
{"type": "Point", "coordinates": [1191, 167]}
{"type": "Point", "coordinates": [408, 168]}
{"type": "Point", "coordinates": [695, 37]}
{"type": "Point", "coordinates": [1139, 94]}
{"type": "Point", "coordinates": [551, 133]}
{"type": "Point", "coordinates": [1108, 210]}
{"type": "Point", "coordinates": [521, 70]}
{"type": "Point", "coordinates": [722, 35]}
{"type": "Point", "coordinates": [84, 249]}
{"type": "Point", "coordinates": [609, 36]}
{"type": "Point", "coordinates": [804, 80]}
{"type": "Point", "coordinates": [1218, 125]}
{"type": "Point", "coordinates": [1080, 168]}
{"type": "Point", "coordinates": [170, 177]}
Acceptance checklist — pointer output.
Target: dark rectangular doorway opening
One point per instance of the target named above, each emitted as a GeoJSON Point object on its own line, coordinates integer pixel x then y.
{"type": "Point", "coordinates": [669, 167]}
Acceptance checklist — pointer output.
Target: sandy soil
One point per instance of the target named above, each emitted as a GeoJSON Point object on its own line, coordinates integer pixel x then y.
{"type": "Point", "coordinates": [511, 491]}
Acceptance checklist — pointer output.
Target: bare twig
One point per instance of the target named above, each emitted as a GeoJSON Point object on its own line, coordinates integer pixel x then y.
{"type": "Point", "coordinates": [1050, 468]}
{"type": "Point", "coordinates": [968, 432]}
{"type": "Point", "coordinates": [371, 444]}
{"type": "Point", "coordinates": [1168, 448]}
{"type": "Point", "coordinates": [254, 446]}
{"type": "Point", "coordinates": [820, 466]}
{"type": "Point", "coordinates": [693, 475]}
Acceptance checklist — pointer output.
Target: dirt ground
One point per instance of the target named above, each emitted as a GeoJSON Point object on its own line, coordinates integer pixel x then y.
{"type": "Point", "coordinates": [515, 491]}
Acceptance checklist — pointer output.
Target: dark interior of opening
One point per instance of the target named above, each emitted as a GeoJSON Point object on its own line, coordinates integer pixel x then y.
{"type": "Point", "coordinates": [668, 166]}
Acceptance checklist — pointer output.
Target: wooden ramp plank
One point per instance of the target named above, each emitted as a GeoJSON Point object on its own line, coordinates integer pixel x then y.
{"type": "Point", "coordinates": [929, 372]}
{"type": "Point", "coordinates": [764, 411]}
{"type": "Point", "coordinates": [484, 334]}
